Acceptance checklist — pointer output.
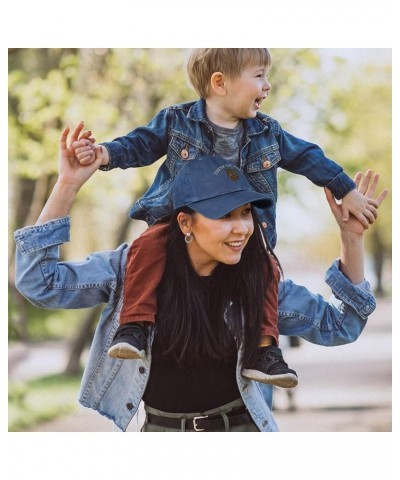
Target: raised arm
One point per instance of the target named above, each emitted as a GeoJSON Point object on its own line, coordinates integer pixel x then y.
{"type": "Point", "coordinates": [352, 230]}
{"type": "Point", "coordinates": [40, 276]}
{"type": "Point", "coordinates": [342, 319]}
{"type": "Point", "coordinates": [71, 176]}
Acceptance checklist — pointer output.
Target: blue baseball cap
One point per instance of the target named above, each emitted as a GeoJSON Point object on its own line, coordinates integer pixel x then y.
{"type": "Point", "coordinates": [214, 187]}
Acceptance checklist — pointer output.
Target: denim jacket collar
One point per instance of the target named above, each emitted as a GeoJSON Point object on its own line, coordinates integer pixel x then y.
{"type": "Point", "coordinates": [252, 126]}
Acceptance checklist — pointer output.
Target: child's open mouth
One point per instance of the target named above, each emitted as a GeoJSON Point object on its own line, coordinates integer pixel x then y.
{"type": "Point", "coordinates": [258, 102]}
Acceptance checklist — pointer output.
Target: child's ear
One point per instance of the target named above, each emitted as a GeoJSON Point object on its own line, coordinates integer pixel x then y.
{"type": "Point", "coordinates": [218, 84]}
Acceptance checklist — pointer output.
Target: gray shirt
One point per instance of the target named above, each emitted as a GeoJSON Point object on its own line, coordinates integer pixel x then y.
{"type": "Point", "coordinates": [228, 142]}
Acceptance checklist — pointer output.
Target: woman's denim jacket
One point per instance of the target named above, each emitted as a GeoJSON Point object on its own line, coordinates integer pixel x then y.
{"type": "Point", "coordinates": [115, 387]}
{"type": "Point", "coordinates": [183, 132]}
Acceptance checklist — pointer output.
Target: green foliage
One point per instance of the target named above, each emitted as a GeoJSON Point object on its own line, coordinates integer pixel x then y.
{"type": "Point", "coordinates": [43, 324]}
{"type": "Point", "coordinates": [38, 105]}
{"type": "Point", "coordinates": [113, 90]}
{"type": "Point", "coordinates": [360, 131]}
{"type": "Point", "coordinates": [344, 104]}
{"type": "Point", "coordinates": [33, 402]}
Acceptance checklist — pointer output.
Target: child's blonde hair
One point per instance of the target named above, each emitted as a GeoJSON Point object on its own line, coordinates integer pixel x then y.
{"type": "Point", "coordinates": [203, 62]}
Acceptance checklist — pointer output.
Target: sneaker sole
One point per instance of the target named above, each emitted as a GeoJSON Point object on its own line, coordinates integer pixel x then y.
{"type": "Point", "coordinates": [126, 352]}
{"type": "Point", "coordinates": [288, 380]}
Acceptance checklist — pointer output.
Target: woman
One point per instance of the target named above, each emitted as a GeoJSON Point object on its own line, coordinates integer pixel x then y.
{"type": "Point", "coordinates": [208, 356]}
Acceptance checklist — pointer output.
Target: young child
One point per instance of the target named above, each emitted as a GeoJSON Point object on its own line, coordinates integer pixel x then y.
{"type": "Point", "coordinates": [225, 121]}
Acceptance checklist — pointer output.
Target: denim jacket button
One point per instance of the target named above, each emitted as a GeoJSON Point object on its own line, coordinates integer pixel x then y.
{"type": "Point", "coordinates": [264, 224]}
{"type": "Point", "coordinates": [142, 369]}
{"type": "Point", "coordinates": [267, 164]}
{"type": "Point", "coordinates": [184, 153]}
{"type": "Point", "coordinates": [129, 406]}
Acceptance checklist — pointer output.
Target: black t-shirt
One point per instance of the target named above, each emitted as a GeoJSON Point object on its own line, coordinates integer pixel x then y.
{"type": "Point", "coordinates": [182, 388]}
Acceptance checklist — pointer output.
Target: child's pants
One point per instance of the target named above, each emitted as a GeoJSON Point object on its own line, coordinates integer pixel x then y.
{"type": "Point", "coordinates": [145, 268]}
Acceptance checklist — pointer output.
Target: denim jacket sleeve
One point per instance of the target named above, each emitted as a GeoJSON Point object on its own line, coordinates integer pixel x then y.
{"type": "Point", "coordinates": [335, 322]}
{"type": "Point", "coordinates": [48, 283]}
{"type": "Point", "coordinates": [142, 146]}
{"type": "Point", "coordinates": [304, 158]}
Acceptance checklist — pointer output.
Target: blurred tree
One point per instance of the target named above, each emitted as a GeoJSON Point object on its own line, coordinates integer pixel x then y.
{"type": "Point", "coordinates": [359, 128]}
{"type": "Point", "coordinates": [344, 105]}
{"type": "Point", "coordinates": [38, 96]}
{"type": "Point", "coordinates": [114, 90]}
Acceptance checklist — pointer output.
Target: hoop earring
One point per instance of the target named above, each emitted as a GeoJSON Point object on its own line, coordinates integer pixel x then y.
{"type": "Point", "coordinates": [188, 238]}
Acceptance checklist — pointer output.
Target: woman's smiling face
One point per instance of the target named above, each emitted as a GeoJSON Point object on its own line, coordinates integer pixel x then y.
{"type": "Point", "coordinates": [217, 241]}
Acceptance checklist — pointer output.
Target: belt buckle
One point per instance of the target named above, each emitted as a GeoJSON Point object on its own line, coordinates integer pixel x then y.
{"type": "Point", "coordinates": [194, 419]}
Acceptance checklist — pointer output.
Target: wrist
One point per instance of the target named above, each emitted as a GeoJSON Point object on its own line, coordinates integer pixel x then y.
{"type": "Point", "coordinates": [65, 190]}
{"type": "Point", "coordinates": [104, 155]}
{"type": "Point", "coordinates": [59, 202]}
{"type": "Point", "coordinates": [351, 238]}
{"type": "Point", "coordinates": [352, 256]}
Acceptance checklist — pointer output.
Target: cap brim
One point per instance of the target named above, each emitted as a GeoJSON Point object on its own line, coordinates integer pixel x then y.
{"type": "Point", "coordinates": [219, 206]}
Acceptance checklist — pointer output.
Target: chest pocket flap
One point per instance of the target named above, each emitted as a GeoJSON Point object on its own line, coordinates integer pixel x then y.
{"type": "Point", "coordinates": [263, 160]}
{"type": "Point", "coordinates": [184, 148]}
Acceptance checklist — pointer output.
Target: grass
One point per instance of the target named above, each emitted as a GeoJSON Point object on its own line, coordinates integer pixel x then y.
{"type": "Point", "coordinates": [33, 402]}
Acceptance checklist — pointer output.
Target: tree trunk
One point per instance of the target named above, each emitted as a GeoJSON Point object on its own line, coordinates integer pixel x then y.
{"type": "Point", "coordinates": [18, 321]}
{"type": "Point", "coordinates": [378, 257]}
{"type": "Point", "coordinates": [78, 345]}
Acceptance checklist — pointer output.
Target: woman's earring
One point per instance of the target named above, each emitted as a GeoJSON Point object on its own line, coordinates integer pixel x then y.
{"type": "Point", "coordinates": [188, 238]}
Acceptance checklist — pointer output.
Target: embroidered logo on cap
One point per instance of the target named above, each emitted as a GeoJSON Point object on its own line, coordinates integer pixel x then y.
{"type": "Point", "coordinates": [232, 174]}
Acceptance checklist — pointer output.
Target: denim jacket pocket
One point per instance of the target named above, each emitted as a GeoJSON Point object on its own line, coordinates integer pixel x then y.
{"type": "Point", "coordinates": [264, 159]}
{"type": "Point", "coordinates": [182, 149]}
{"type": "Point", "coordinates": [261, 169]}
{"type": "Point", "coordinates": [155, 204]}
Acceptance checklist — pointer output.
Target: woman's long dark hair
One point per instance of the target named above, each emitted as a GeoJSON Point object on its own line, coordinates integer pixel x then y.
{"type": "Point", "coordinates": [191, 324]}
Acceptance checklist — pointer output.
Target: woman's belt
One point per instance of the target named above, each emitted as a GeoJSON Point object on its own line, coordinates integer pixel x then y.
{"type": "Point", "coordinates": [203, 423]}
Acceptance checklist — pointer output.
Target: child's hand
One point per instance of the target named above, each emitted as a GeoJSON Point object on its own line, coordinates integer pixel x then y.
{"type": "Point", "coordinates": [71, 172]}
{"type": "Point", "coordinates": [358, 203]}
{"type": "Point", "coordinates": [366, 187]}
{"type": "Point", "coordinates": [86, 150]}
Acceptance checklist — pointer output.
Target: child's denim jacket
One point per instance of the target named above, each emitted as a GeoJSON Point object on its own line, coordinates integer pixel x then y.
{"type": "Point", "coordinates": [183, 132]}
{"type": "Point", "coordinates": [115, 387]}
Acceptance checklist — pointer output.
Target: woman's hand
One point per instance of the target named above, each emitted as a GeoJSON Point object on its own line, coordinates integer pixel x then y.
{"type": "Point", "coordinates": [71, 176]}
{"type": "Point", "coordinates": [367, 186]}
{"type": "Point", "coordinates": [71, 172]}
{"type": "Point", "coordinates": [352, 230]}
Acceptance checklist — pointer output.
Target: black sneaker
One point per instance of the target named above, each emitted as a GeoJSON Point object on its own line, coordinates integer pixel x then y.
{"type": "Point", "coordinates": [129, 341]}
{"type": "Point", "coordinates": [270, 368]}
